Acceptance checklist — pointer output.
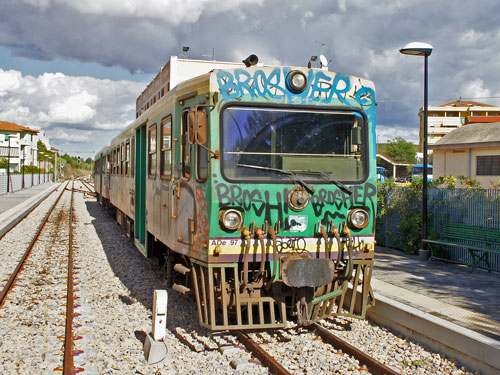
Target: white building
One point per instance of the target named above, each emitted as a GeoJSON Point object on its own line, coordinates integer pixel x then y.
{"type": "Point", "coordinates": [445, 118]}
{"type": "Point", "coordinates": [18, 144]}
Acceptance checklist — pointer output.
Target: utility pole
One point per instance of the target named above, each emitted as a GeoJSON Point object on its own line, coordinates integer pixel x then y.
{"type": "Point", "coordinates": [8, 166]}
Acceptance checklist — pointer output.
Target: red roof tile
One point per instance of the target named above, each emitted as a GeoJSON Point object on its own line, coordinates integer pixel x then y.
{"type": "Point", "coordinates": [9, 126]}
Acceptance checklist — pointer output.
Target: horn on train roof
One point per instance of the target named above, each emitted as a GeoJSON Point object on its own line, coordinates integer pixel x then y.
{"type": "Point", "coordinates": [251, 60]}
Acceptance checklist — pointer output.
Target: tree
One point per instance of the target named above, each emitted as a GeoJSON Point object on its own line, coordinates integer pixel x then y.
{"type": "Point", "coordinates": [401, 150]}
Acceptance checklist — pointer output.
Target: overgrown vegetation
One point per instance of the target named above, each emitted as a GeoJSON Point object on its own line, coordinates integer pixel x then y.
{"type": "Point", "coordinates": [406, 203]}
{"type": "Point", "coordinates": [399, 150]}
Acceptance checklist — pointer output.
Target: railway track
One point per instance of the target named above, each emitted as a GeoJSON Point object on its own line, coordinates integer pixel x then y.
{"type": "Point", "coordinates": [254, 343]}
{"type": "Point", "coordinates": [43, 276]}
{"type": "Point", "coordinates": [88, 186]}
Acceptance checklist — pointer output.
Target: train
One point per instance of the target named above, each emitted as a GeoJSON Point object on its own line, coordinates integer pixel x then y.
{"type": "Point", "coordinates": [254, 186]}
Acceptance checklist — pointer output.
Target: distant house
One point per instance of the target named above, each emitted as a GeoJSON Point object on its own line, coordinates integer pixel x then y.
{"type": "Point", "coordinates": [472, 150]}
{"type": "Point", "coordinates": [445, 118]}
{"type": "Point", "coordinates": [18, 144]}
{"type": "Point", "coordinates": [394, 170]}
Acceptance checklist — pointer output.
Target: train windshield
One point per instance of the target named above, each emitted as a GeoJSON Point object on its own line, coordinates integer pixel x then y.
{"type": "Point", "coordinates": [276, 144]}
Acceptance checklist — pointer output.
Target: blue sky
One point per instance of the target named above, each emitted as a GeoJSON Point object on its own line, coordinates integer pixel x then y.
{"type": "Point", "coordinates": [74, 68]}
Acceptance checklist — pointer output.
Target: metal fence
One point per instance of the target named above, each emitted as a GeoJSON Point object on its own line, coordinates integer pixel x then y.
{"type": "Point", "coordinates": [16, 182]}
{"type": "Point", "coordinates": [473, 207]}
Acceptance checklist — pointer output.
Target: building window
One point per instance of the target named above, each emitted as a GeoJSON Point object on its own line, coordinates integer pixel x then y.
{"type": "Point", "coordinates": [166, 146]}
{"type": "Point", "coordinates": [152, 150]}
{"type": "Point", "coordinates": [488, 165]}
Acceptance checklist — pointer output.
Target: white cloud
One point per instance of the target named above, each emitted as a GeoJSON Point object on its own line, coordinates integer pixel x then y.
{"type": "Point", "coordinates": [68, 108]}
{"type": "Point", "coordinates": [474, 89]}
{"type": "Point", "coordinates": [170, 11]}
{"type": "Point", "coordinates": [387, 133]}
{"type": "Point", "coordinates": [74, 109]}
{"type": "Point", "coordinates": [64, 136]}
{"type": "Point", "coordinates": [9, 81]}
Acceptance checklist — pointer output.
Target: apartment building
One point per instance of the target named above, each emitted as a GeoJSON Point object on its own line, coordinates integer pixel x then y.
{"type": "Point", "coordinates": [445, 118]}
{"type": "Point", "coordinates": [18, 144]}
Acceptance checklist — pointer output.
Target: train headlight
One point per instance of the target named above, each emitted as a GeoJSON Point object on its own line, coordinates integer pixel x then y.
{"type": "Point", "coordinates": [358, 218]}
{"type": "Point", "coordinates": [297, 81]}
{"type": "Point", "coordinates": [230, 219]}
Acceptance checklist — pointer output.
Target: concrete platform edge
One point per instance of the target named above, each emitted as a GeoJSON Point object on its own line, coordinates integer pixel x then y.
{"type": "Point", "coordinates": [14, 215]}
{"type": "Point", "coordinates": [469, 348]}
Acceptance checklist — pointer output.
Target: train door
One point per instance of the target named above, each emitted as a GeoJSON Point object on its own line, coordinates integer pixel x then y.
{"type": "Point", "coordinates": [140, 188]}
{"type": "Point", "coordinates": [132, 175]}
{"type": "Point", "coordinates": [102, 163]}
{"type": "Point", "coordinates": [185, 194]}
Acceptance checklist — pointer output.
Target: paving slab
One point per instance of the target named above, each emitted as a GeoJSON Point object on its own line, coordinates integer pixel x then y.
{"type": "Point", "coordinates": [15, 206]}
{"type": "Point", "coordinates": [446, 290]}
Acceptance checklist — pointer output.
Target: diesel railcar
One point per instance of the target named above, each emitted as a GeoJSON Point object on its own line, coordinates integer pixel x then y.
{"type": "Point", "coordinates": [255, 186]}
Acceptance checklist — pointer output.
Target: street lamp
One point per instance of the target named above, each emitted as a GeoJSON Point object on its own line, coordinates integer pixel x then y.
{"type": "Point", "coordinates": [8, 165]}
{"type": "Point", "coordinates": [422, 49]}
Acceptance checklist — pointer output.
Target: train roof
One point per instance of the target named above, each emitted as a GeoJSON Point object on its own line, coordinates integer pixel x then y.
{"type": "Point", "coordinates": [196, 84]}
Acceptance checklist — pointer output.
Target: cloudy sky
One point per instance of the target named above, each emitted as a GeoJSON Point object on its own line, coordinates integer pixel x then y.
{"type": "Point", "coordinates": [74, 68]}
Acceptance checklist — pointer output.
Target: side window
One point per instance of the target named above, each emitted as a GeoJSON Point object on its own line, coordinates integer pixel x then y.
{"type": "Point", "coordinates": [166, 146]}
{"type": "Point", "coordinates": [122, 159]}
{"type": "Point", "coordinates": [118, 160]}
{"type": "Point", "coordinates": [127, 158]}
{"type": "Point", "coordinates": [202, 160]}
{"type": "Point", "coordinates": [152, 150]}
{"type": "Point", "coordinates": [185, 148]}
{"type": "Point", "coordinates": [132, 164]}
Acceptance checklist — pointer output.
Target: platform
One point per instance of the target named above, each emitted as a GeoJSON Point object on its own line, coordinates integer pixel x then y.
{"type": "Point", "coordinates": [446, 290]}
{"type": "Point", "coordinates": [15, 206]}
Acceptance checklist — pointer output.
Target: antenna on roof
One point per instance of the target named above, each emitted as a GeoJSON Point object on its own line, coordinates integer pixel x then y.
{"type": "Point", "coordinates": [212, 56]}
{"type": "Point", "coordinates": [186, 51]}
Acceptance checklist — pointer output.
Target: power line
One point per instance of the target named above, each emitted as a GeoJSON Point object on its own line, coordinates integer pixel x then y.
{"type": "Point", "coordinates": [436, 100]}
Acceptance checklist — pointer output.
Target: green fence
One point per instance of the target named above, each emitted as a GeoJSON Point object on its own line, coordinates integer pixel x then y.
{"type": "Point", "coordinates": [399, 221]}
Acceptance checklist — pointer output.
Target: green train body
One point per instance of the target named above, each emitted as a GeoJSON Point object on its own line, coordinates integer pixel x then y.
{"type": "Point", "coordinates": [256, 188]}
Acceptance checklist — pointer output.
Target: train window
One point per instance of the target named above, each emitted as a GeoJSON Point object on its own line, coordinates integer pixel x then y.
{"type": "Point", "coordinates": [166, 146]}
{"type": "Point", "coordinates": [113, 162]}
{"type": "Point", "coordinates": [132, 164]}
{"type": "Point", "coordinates": [185, 148]}
{"type": "Point", "coordinates": [122, 159]}
{"type": "Point", "coordinates": [265, 144]}
{"type": "Point", "coordinates": [152, 150]}
{"type": "Point", "coordinates": [127, 158]}
{"type": "Point", "coordinates": [202, 159]}
{"type": "Point", "coordinates": [108, 163]}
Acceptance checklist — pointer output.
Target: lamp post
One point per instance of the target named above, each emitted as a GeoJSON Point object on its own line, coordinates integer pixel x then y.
{"type": "Point", "coordinates": [8, 166]}
{"type": "Point", "coordinates": [422, 49]}
{"type": "Point", "coordinates": [32, 165]}
{"type": "Point", "coordinates": [22, 169]}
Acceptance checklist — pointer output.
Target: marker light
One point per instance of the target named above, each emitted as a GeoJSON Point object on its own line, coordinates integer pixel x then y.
{"type": "Point", "coordinates": [358, 218]}
{"type": "Point", "coordinates": [230, 219]}
{"type": "Point", "coordinates": [297, 81]}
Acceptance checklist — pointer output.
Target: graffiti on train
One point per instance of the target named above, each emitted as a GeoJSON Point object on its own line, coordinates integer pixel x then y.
{"type": "Point", "coordinates": [202, 220]}
{"type": "Point", "coordinates": [330, 204]}
{"type": "Point", "coordinates": [321, 87]}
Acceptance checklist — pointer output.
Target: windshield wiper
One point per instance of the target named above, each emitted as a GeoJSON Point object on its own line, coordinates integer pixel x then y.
{"type": "Point", "coordinates": [327, 177]}
{"type": "Point", "coordinates": [282, 171]}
